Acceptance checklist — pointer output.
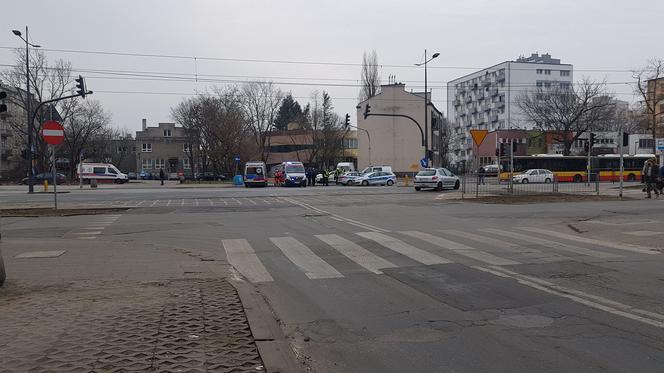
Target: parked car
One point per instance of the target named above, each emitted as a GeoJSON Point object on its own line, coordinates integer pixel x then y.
{"type": "Point", "coordinates": [39, 178]}
{"type": "Point", "coordinates": [375, 178]}
{"type": "Point", "coordinates": [534, 176]}
{"type": "Point", "coordinates": [132, 176]}
{"type": "Point", "coordinates": [345, 178]}
{"type": "Point", "coordinates": [145, 175]}
{"type": "Point", "coordinates": [173, 176]}
{"type": "Point", "coordinates": [377, 169]}
{"type": "Point", "coordinates": [436, 178]}
{"type": "Point", "coordinates": [186, 174]}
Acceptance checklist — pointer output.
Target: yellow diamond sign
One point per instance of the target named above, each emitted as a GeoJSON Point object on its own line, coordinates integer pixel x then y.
{"type": "Point", "coordinates": [478, 136]}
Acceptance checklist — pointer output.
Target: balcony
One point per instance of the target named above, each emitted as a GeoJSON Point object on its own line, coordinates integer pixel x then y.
{"type": "Point", "coordinates": [473, 110]}
{"type": "Point", "coordinates": [487, 83]}
{"type": "Point", "coordinates": [500, 77]}
{"type": "Point", "coordinates": [469, 99]}
{"type": "Point", "coordinates": [494, 118]}
{"type": "Point", "coordinates": [494, 92]}
{"type": "Point", "coordinates": [457, 102]}
{"type": "Point", "coordinates": [500, 105]}
{"type": "Point", "coordinates": [480, 96]}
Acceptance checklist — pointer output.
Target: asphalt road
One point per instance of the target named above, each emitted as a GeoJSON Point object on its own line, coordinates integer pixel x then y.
{"type": "Point", "coordinates": [384, 279]}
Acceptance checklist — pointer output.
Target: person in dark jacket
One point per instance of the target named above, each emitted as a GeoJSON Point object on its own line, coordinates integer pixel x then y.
{"type": "Point", "coordinates": [161, 176]}
{"type": "Point", "coordinates": [650, 175]}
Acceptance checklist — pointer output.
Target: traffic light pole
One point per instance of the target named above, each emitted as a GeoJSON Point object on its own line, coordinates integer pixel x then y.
{"type": "Point", "coordinates": [31, 120]}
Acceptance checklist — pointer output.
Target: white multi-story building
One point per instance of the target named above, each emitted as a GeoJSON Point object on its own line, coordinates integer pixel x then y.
{"type": "Point", "coordinates": [487, 99]}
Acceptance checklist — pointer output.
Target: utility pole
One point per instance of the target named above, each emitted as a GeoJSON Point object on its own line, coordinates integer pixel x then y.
{"type": "Point", "coordinates": [28, 112]}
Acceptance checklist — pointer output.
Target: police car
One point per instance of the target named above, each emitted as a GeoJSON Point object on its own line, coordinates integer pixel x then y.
{"type": "Point", "coordinates": [375, 178]}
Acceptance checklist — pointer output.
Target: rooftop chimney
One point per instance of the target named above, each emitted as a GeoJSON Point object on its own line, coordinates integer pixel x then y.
{"type": "Point", "coordinates": [145, 124]}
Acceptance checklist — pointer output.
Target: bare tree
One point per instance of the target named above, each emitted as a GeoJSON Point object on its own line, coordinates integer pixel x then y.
{"type": "Point", "coordinates": [86, 129]}
{"type": "Point", "coordinates": [188, 114]}
{"type": "Point", "coordinates": [567, 112]}
{"type": "Point", "coordinates": [47, 82]}
{"type": "Point", "coordinates": [370, 76]}
{"type": "Point", "coordinates": [261, 102]}
{"type": "Point", "coordinates": [650, 87]}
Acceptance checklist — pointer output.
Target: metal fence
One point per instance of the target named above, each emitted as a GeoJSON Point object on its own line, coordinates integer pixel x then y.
{"type": "Point", "coordinates": [474, 185]}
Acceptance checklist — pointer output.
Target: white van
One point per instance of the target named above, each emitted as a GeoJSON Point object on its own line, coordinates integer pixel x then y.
{"type": "Point", "coordinates": [100, 172]}
{"type": "Point", "coordinates": [377, 169]}
{"type": "Point", "coordinates": [255, 174]}
{"type": "Point", "coordinates": [294, 174]}
{"type": "Point", "coordinates": [346, 167]}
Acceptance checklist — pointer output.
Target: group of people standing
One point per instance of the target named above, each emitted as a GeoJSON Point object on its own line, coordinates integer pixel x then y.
{"type": "Point", "coordinates": [326, 175]}
{"type": "Point", "coordinates": [653, 177]}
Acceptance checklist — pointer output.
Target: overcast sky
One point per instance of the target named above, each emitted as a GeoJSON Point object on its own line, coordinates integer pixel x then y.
{"type": "Point", "coordinates": [590, 34]}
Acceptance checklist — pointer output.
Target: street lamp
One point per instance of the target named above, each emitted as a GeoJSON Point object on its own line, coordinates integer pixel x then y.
{"type": "Point", "coordinates": [27, 103]}
{"type": "Point", "coordinates": [426, 104]}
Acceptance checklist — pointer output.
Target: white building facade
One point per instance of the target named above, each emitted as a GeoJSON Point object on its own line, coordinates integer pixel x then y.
{"type": "Point", "coordinates": [487, 99]}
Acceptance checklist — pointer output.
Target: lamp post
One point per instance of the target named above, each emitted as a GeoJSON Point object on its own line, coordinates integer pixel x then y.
{"type": "Point", "coordinates": [27, 103]}
{"type": "Point", "coordinates": [426, 104]}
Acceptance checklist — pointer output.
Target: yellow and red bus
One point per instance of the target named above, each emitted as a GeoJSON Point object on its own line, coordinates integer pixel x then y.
{"type": "Point", "coordinates": [573, 168]}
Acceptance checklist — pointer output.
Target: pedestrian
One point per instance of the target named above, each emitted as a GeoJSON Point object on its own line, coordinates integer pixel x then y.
{"type": "Point", "coordinates": [660, 180]}
{"type": "Point", "coordinates": [326, 177]}
{"type": "Point", "coordinates": [337, 173]}
{"type": "Point", "coordinates": [481, 173]}
{"type": "Point", "coordinates": [650, 175]}
{"type": "Point", "coordinates": [161, 175]}
{"type": "Point", "coordinates": [311, 176]}
{"type": "Point", "coordinates": [278, 176]}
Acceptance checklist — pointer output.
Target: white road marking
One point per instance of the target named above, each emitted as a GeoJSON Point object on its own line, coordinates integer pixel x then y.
{"type": "Point", "coordinates": [85, 238]}
{"type": "Point", "coordinates": [210, 202]}
{"type": "Point", "coordinates": [403, 248]}
{"type": "Point", "coordinates": [312, 266]}
{"type": "Point", "coordinates": [225, 203]}
{"type": "Point", "coordinates": [140, 203]}
{"type": "Point", "coordinates": [507, 246]}
{"type": "Point", "coordinates": [356, 253]}
{"type": "Point", "coordinates": [154, 203]}
{"type": "Point", "coordinates": [551, 244]}
{"type": "Point", "coordinates": [196, 199]}
{"type": "Point", "coordinates": [586, 299]}
{"type": "Point", "coordinates": [460, 249]}
{"type": "Point", "coordinates": [182, 202]}
{"type": "Point", "coordinates": [241, 255]}
{"type": "Point", "coordinates": [87, 233]}
{"type": "Point", "coordinates": [237, 201]}
{"type": "Point", "coordinates": [252, 201]}
{"type": "Point", "coordinates": [613, 245]}
{"type": "Point", "coordinates": [97, 227]}
{"type": "Point", "coordinates": [169, 203]}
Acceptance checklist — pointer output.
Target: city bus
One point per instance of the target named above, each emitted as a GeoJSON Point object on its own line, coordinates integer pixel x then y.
{"type": "Point", "coordinates": [573, 168]}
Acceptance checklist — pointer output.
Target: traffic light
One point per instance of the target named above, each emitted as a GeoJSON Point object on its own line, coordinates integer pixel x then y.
{"type": "Point", "coordinates": [80, 86]}
{"type": "Point", "coordinates": [497, 152]}
{"type": "Point", "coordinates": [592, 139]}
{"type": "Point", "coordinates": [586, 147]}
{"type": "Point", "coordinates": [347, 122]}
{"type": "Point", "coordinates": [625, 139]}
{"type": "Point", "coordinates": [514, 145]}
{"type": "Point", "coordinates": [367, 110]}
{"type": "Point", "coordinates": [3, 96]}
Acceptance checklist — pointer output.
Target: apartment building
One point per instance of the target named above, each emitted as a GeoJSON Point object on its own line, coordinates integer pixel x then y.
{"type": "Point", "coordinates": [397, 141]}
{"type": "Point", "coordinates": [162, 147]}
{"type": "Point", "coordinates": [487, 99]}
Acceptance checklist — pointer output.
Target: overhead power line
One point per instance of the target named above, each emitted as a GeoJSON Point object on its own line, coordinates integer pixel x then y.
{"type": "Point", "coordinates": [289, 62]}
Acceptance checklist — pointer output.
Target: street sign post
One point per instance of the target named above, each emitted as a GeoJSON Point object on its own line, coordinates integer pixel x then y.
{"type": "Point", "coordinates": [53, 134]}
{"type": "Point", "coordinates": [424, 163]}
{"type": "Point", "coordinates": [478, 136]}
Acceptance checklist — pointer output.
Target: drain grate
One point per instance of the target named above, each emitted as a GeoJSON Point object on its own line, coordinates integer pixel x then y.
{"type": "Point", "coordinates": [192, 325]}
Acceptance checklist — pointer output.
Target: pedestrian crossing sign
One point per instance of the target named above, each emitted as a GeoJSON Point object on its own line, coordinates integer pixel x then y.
{"type": "Point", "coordinates": [478, 136]}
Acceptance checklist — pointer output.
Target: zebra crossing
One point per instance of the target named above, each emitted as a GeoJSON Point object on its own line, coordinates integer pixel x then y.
{"type": "Point", "coordinates": [374, 252]}
{"type": "Point", "coordinates": [254, 201]}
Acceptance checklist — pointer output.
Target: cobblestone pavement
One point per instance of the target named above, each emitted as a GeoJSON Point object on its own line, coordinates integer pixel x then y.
{"type": "Point", "coordinates": [187, 325]}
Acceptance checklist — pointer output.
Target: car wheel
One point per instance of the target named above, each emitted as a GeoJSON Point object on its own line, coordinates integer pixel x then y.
{"type": "Point", "coordinates": [390, 183]}
{"type": "Point", "coordinates": [246, 185]}
{"type": "Point", "coordinates": [547, 180]}
{"type": "Point", "coordinates": [577, 178]}
{"type": "Point", "coordinates": [439, 187]}
{"type": "Point", "coordinates": [457, 184]}
{"type": "Point", "coordinates": [418, 189]}
{"type": "Point", "coordinates": [524, 181]}
{"type": "Point", "coordinates": [365, 183]}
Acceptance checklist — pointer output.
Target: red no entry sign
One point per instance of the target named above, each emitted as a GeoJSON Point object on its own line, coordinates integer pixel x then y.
{"type": "Point", "coordinates": [53, 132]}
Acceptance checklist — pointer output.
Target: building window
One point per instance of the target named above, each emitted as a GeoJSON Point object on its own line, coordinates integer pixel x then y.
{"type": "Point", "coordinates": [147, 148]}
{"type": "Point", "coordinates": [350, 143]}
{"type": "Point", "coordinates": [646, 143]}
{"type": "Point", "coordinates": [122, 149]}
{"type": "Point", "coordinates": [539, 71]}
{"type": "Point", "coordinates": [167, 133]}
{"type": "Point", "coordinates": [564, 72]}
{"type": "Point", "coordinates": [547, 84]}
{"type": "Point", "coordinates": [547, 72]}
{"type": "Point", "coordinates": [186, 148]}
{"type": "Point", "coordinates": [539, 84]}
{"type": "Point", "coordinates": [159, 164]}
{"type": "Point", "coordinates": [147, 164]}
{"type": "Point", "coordinates": [185, 164]}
